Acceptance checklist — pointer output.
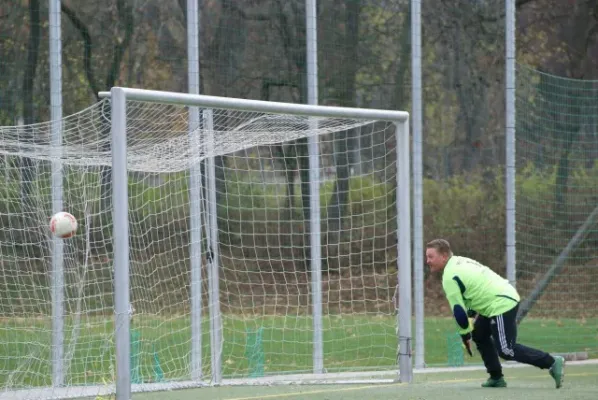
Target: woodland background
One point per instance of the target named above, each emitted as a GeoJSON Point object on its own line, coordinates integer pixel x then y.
{"type": "Point", "coordinates": [256, 49]}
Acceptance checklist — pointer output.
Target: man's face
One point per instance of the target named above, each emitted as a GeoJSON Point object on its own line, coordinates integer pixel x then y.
{"type": "Point", "coordinates": [435, 260]}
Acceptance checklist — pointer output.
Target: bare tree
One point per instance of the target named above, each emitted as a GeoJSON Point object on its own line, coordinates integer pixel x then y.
{"type": "Point", "coordinates": [346, 89]}
{"type": "Point", "coordinates": [578, 37]}
{"type": "Point", "coordinates": [27, 166]}
{"type": "Point", "coordinates": [120, 43]}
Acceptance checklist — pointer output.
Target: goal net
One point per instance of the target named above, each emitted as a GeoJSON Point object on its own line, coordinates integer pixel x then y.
{"type": "Point", "coordinates": [230, 268]}
{"type": "Point", "coordinates": [557, 214]}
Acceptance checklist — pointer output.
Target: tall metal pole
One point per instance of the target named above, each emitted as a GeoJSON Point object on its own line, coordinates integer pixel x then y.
{"type": "Point", "coordinates": [57, 243]}
{"type": "Point", "coordinates": [510, 139]}
{"type": "Point", "coordinates": [311, 34]}
{"type": "Point", "coordinates": [418, 229]}
{"type": "Point", "coordinates": [120, 216]}
{"type": "Point", "coordinates": [404, 248]}
{"type": "Point", "coordinates": [214, 255]}
{"type": "Point", "coordinates": [194, 189]}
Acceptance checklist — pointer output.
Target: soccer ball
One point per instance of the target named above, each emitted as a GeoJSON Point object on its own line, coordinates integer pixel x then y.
{"type": "Point", "coordinates": [63, 224]}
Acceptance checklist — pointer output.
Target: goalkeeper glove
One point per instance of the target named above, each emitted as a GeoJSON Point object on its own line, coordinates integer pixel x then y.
{"type": "Point", "coordinates": [466, 339]}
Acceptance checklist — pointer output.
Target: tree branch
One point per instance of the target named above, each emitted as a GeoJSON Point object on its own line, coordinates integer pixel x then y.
{"type": "Point", "coordinates": [87, 46]}
{"type": "Point", "coordinates": [125, 14]}
{"type": "Point", "coordinates": [267, 83]}
{"type": "Point", "coordinates": [518, 4]}
{"type": "Point", "coordinates": [32, 58]}
{"type": "Point", "coordinates": [183, 7]}
{"type": "Point", "coordinates": [250, 17]}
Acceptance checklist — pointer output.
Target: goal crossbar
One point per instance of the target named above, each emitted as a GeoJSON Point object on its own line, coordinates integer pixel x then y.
{"type": "Point", "coordinates": [121, 96]}
{"type": "Point", "coordinates": [273, 107]}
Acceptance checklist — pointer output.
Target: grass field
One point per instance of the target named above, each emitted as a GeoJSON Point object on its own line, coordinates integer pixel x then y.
{"type": "Point", "coordinates": [163, 346]}
{"type": "Point", "coordinates": [581, 383]}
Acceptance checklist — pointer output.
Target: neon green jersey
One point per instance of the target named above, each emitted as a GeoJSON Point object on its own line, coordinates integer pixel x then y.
{"type": "Point", "coordinates": [473, 286]}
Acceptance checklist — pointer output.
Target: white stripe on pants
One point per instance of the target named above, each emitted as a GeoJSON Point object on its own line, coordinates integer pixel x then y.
{"type": "Point", "coordinates": [502, 337]}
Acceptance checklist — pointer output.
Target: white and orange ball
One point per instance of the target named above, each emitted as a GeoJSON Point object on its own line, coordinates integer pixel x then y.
{"type": "Point", "coordinates": [63, 224]}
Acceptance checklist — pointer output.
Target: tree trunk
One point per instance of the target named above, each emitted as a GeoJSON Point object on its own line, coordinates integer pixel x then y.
{"type": "Point", "coordinates": [339, 200]}
{"type": "Point", "coordinates": [26, 164]}
{"type": "Point", "coordinates": [126, 22]}
{"type": "Point", "coordinates": [560, 188]}
{"type": "Point", "coordinates": [400, 97]}
{"type": "Point", "coordinates": [289, 157]}
{"type": "Point", "coordinates": [285, 152]}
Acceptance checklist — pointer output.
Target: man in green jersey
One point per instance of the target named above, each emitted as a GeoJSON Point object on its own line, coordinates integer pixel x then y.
{"type": "Point", "coordinates": [472, 288]}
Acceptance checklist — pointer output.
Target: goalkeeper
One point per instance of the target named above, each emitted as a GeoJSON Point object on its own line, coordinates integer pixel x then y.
{"type": "Point", "coordinates": [472, 288]}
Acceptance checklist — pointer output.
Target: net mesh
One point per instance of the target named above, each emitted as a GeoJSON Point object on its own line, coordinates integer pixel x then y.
{"type": "Point", "coordinates": [262, 234]}
{"type": "Point", "coordinates": [557, 189]}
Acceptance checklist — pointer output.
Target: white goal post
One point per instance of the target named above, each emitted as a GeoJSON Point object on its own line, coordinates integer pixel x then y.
{"type": "Point", "coordinates": [220, 242]}
{"type": "Point", "coordinates": [120, 98]}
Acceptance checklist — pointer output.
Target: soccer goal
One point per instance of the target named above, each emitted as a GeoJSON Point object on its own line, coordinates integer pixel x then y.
{"type": "Point", "coordinates": [220, 241]}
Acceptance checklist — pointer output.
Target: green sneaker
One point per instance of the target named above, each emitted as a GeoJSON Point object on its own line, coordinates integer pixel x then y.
{"type": "Point", "coordinates": [557, 371]}
{"type": "Point", "coordinates": [500, 382]}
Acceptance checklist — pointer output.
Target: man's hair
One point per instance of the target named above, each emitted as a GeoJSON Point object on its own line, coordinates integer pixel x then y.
{"type": "Point", "coordinates": [441, 245]}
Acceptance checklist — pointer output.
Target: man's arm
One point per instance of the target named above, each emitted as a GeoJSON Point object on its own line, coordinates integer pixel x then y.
{"type": "Point", "coordinates": [454, 289]}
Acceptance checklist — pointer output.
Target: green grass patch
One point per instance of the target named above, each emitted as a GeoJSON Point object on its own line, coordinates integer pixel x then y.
{"type": "Point", "coordinates": [523, 384]}
{"type": "Point", "coordinates": [360, 342]}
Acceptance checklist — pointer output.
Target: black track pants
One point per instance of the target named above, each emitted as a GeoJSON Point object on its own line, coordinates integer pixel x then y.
{"type": "Point", "coordinates": [498, 336]}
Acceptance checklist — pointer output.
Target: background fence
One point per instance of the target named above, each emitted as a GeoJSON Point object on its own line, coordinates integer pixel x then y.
{"type": "Point", "coordinates": [257, 50]}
